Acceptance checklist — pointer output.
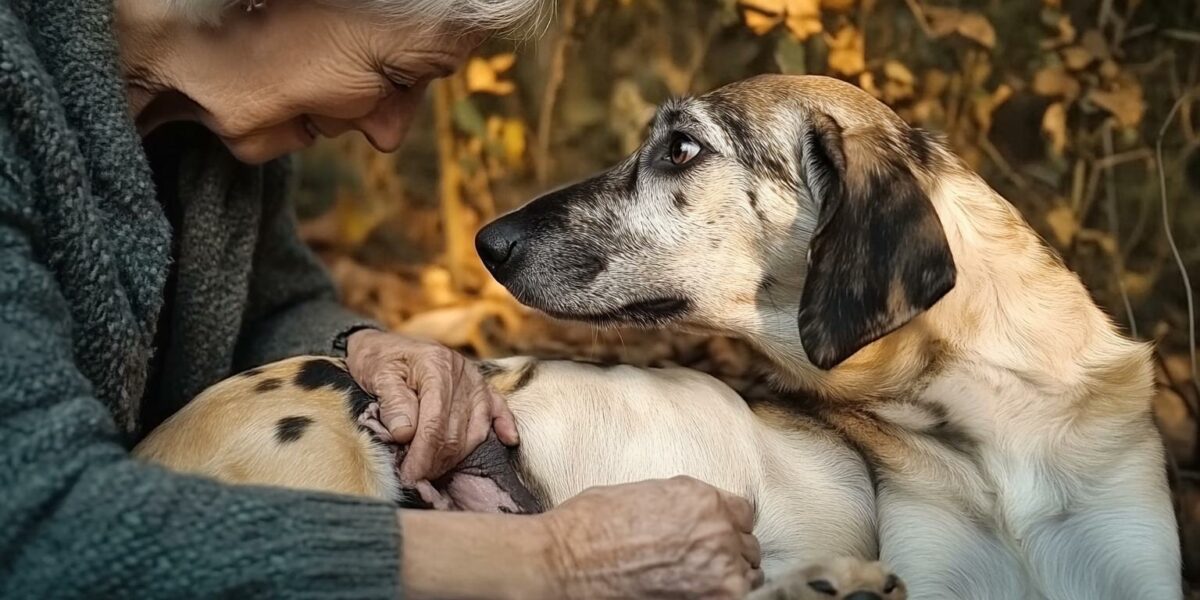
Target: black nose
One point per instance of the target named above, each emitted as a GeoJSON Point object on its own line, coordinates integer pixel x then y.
{"type": "Point", "coordinates": [864, 596]}
{"type": "Point", "coordinates": [496, 242]}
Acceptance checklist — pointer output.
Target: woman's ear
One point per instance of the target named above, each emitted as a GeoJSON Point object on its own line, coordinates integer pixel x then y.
{"type": "Point", "coordinates": [878, 256]}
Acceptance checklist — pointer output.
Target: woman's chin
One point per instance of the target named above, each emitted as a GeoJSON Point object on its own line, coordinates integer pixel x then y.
{"type": "Point", "coordinates": [260, 149]}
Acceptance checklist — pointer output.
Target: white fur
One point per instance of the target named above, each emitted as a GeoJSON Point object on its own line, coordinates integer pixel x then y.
{"type": "Point", "coordinates": [584, 426]}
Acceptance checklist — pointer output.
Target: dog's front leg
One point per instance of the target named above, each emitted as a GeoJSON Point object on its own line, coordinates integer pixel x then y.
{"type": "Point", "coordinates": [1118, 539]}
{"type": "Point", "coordinates": [942, 554]}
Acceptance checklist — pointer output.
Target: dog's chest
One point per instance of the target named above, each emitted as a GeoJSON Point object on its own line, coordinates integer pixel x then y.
{"type": "Point", "coordinates": [953, 446]}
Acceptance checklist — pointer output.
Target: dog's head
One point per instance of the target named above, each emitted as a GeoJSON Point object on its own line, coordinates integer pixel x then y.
{"type": "Point", "coordinates": [766, 202]}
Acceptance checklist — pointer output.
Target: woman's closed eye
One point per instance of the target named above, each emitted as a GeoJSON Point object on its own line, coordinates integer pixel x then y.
{"type": "Point", "coordinates": [398, 80]}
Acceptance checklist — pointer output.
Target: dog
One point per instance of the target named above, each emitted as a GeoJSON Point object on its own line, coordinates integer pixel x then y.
{"type": "Point", "coordinates": [304, 423]}
{"type": "Point", "coordinates": [902, 303]}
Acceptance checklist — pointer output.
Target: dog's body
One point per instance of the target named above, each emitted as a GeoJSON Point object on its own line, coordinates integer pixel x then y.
{"type": "Point", "coordinates": [296, 424]}
{"type": "Point", "coordinates": [911, 308]}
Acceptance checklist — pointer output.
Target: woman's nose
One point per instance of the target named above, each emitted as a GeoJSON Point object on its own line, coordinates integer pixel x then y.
{"type": "Point", "coordinates": [386, 126]}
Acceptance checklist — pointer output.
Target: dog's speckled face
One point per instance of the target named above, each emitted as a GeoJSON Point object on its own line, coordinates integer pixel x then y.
{"type": "Point", "coordinates": [763, 202]}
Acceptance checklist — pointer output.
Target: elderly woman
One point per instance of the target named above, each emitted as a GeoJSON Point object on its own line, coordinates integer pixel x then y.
{"type": "Point", "coordinates": [148, 250]}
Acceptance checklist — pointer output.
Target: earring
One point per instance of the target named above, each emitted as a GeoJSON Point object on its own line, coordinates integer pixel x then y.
{"type": "Point", "coordinates": [253, 5]}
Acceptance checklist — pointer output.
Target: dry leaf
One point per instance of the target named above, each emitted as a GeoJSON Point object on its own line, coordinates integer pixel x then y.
{"type": "Point", "coordinates": [1055, 82]}
{"type": "Point", "coordinates": [1065, 30]}
{"type": "Point", "coordinates": [1109, 70]}
{"type": "Point", "coordinates": [1125, 103]}
{"type": "Point", "coordinates": [484, 75]}
{"type": "Point", "coordinates": [847, 51]}
{"type": "Point", "coordinates": [896, 71]}
{"type": "Point", "coordinates": [1077, 58]}
{"type": "Point", "coordinates": [1054, 125]}
{"type": "Point", "coordinates": [970, 25]}
{"type": "Point", "coordinates": [801, 17]}
{"type": "Point", "coordinates": [866, 81]}
{"type": "Point", "coordinates": [1063, 225]}
{"type": "Point", "coordinates": [983, 107]}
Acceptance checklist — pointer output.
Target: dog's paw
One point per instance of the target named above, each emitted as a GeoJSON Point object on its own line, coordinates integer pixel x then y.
{"type": "Point", "coordinates": [842, 578]}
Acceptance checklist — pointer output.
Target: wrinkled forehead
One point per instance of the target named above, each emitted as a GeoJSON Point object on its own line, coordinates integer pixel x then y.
{"type": "Point", "coordinates": [716, 118]}
{"type": "Point", "coordinates": [761, 135]}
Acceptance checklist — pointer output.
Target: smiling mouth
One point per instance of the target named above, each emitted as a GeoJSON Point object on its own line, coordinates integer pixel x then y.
{"type": "Point", "coordinates": [654, 311]}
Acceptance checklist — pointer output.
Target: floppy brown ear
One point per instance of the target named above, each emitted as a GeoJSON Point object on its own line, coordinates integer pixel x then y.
{"type": "Point", "coordinates": [878, 256]}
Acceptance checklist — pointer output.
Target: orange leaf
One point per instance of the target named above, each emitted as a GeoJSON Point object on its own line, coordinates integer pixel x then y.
{"type": "Point", "coordinates": [847, 51]}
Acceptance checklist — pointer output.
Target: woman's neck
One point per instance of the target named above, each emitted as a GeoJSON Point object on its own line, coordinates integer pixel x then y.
{"type": "Point", "coordinates": [145, 33]}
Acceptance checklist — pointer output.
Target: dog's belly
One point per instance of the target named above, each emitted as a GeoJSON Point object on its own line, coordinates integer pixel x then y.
{"type": "Point", "coordinates": [583, 425]}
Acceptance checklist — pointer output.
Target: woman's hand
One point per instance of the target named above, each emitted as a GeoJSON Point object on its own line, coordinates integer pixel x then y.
{"type": "Point", "coordinates": [431, 399]}
{"type": "Point", "coordinates": [674, 538]}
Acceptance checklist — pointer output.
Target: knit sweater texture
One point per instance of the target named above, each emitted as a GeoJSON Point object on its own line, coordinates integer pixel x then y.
{"type": "Point", "coordinates": [95, 346]}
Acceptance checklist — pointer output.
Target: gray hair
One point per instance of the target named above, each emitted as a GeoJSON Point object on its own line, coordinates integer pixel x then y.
{"type": "Point", "coordinates": [484, 15]}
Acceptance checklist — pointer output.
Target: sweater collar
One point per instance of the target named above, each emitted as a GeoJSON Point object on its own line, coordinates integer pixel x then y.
{"type": "Point", "coordinates": [76, 43]}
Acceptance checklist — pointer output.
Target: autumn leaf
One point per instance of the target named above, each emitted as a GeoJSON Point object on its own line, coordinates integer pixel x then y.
{"type": "Point", "coordinates": [1055, 82]}
{"type": "Point", "coordinates": [801, 17]}
{"type": "Point", "coordinates": [970, 25]}
{"type": "Point", "coordinates": [1125, 103]}
{"type": "Point", "coordinates": [484, 75]}
{"type": "Point", "coordinates": [1063, 225]}
{"type": "Point", "coordinates": [1054, 125]}
{"type": "Point", "coordinates": [847, 51]}
{"type": "Point", "coordinates": [899, 83]}
{"type": "Point", "coordinates": [1077, 58]}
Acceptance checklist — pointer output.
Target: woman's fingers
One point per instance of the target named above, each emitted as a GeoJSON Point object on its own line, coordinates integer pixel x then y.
{"type": "Point", "coordinates": [398, 410]}
{"type": "Point", "coordinates": [502, 419]}
{"type": "Point", "coordinates": [431, 432]}
{"type": "Point", "coordinates": [740, 510]}
{"type": "Point", "coordinates": [751, 550]}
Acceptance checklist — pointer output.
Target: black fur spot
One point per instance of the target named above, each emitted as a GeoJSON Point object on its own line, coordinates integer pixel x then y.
{"type": "Point", "coordinates": [768, 282]}
{"type": "Point", "coordinates": [526, 375]}
{"type": "Point", "coordinates": [753, 198]}
{"type": "Point", "coordinates": [290, 429]}
{"type": "Point", "coordinates": [681, 200]}
{"type": "Point", "coordinates": [325, 373]}
{"type": "Point", "coordinates": [267, 385]}
{"type": "Point", "coordinates": [489, 369]}
{"type": "Point", "coordinates": [920, 145]}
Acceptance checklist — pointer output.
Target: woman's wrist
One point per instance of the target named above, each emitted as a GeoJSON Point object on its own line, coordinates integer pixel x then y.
{"type": "Point", "coordinates": [458, 555]}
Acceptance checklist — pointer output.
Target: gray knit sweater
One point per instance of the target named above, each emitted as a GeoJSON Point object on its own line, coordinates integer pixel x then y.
{"type": "Point", "coordinates": [86, 251]}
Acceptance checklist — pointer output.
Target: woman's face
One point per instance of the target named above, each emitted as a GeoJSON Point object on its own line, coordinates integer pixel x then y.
{"type": "Point", "coordinates": [271, 81]}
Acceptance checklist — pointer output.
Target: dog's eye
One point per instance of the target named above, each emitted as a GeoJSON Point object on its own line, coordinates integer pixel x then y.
{"type": "Point", "coordinates": [823, 586]}
{"type": "Point", "coordinates": [683, 149]}
{"type": "Point", "coordinates": [890, 585]}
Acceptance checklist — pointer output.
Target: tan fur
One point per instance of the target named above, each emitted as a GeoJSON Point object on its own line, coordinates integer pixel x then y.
{"type": "Point", "coordinates": [228, 432]}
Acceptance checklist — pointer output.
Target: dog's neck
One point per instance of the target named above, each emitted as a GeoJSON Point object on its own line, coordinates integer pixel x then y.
{"type": "Point", "coordinates": [1015, 311]}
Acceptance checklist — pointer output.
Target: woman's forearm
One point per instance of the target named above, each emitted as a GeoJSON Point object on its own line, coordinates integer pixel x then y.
{"type": "Point", "coordinates": [464, 556]}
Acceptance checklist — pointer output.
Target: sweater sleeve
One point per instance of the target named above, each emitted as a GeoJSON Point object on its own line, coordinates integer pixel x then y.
{"type": "Point", "coordinates": [293, 307]}
{"type": "Point", "coordinates": [80, 518]}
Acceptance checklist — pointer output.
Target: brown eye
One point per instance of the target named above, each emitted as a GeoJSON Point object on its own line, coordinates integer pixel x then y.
{"type": "Point", "coordinates": [683, 149]}
{"type": "Point", "coordinates": [823, 586]}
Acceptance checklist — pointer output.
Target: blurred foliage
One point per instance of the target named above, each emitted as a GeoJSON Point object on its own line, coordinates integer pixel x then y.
{"type": "Point", "coordinates": [1059, 104]}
